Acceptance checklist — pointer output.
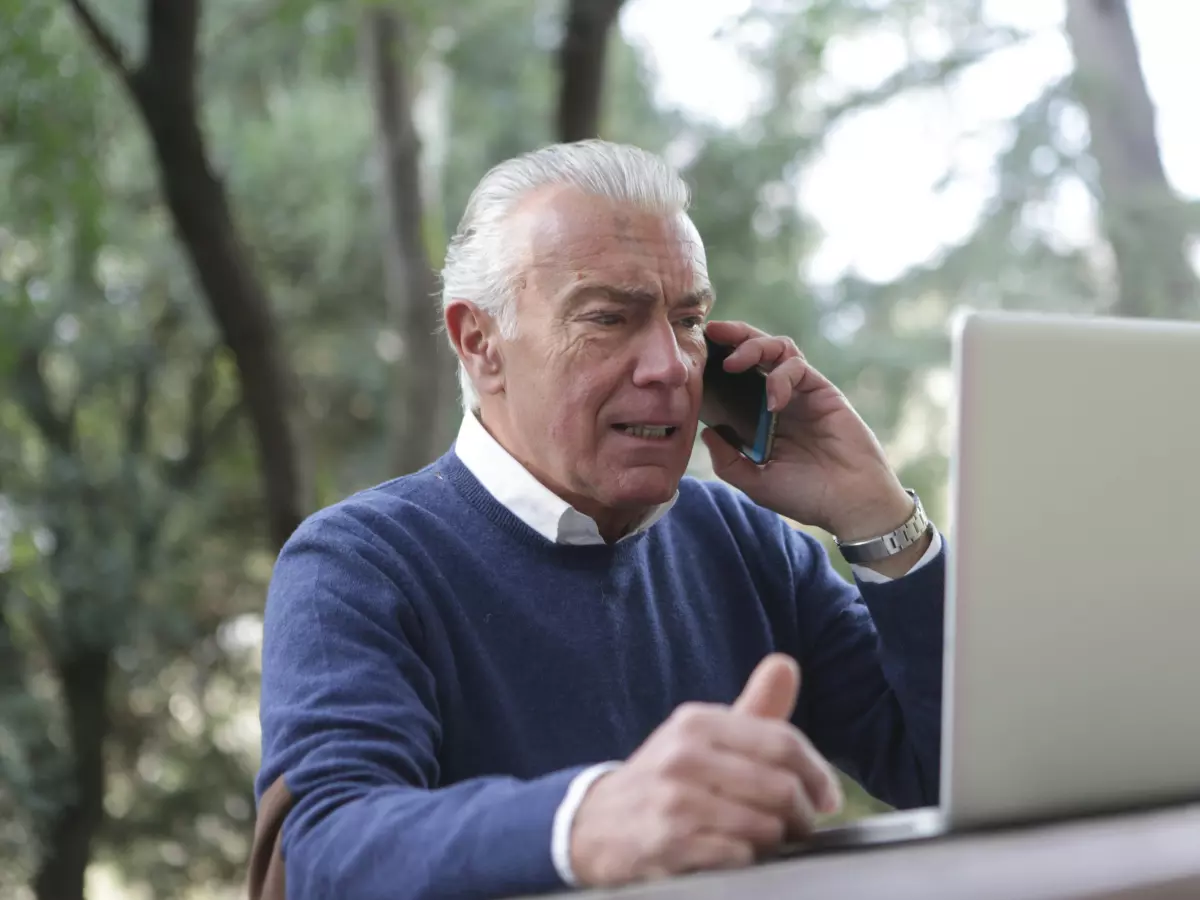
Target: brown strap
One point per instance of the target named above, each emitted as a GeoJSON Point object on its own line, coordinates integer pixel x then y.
{"type": "Point", "coordinates": [266, 853]}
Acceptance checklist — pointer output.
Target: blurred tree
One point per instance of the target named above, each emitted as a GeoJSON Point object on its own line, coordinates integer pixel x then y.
{"type": "Point", "coordinates": [118, 405]}
{"type": "Point", "coordinates": [157, 582]}
{"type": "Point", "coordinates": [424, 374]}
{"type": "Point", "coordinates": [581, 66]}
{"type": "Point", "coordinates": [121, 405]}
{"type": "Point", "coordinates": [164, 89]}
{"type": "Point", "coordinates": [1143, 218]}
{"type": "Point", "coordinates": [760, 239]}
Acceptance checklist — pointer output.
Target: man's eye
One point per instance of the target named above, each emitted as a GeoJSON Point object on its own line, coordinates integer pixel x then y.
{"type": "Point", "coordinates": [692, 321]}
{"type": "Point", "coordinates": [607, 319]}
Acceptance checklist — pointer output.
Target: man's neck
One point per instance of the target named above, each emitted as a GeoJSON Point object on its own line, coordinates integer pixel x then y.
{"type": "Point", "coordinates": [613, 524]}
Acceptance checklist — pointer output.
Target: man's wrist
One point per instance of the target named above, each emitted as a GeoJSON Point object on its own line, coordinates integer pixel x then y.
{"type": "Point", "coordinates": [901, 568]}
{"type": "Point", "coordinates": [564, 819]}
{"type": "Point", "coordinates": [867, 522]}
{"type": "Point", "coordinates": [872, 518]}
{"type": "Point", "coordinates": [900, 564]}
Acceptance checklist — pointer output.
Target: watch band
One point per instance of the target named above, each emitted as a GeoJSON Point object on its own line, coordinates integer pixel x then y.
{"type": "Point", "coordinates": [875, 549]}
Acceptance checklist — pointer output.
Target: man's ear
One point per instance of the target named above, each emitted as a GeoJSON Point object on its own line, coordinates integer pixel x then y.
{"type": "Point", "coordinates": [476, 340]}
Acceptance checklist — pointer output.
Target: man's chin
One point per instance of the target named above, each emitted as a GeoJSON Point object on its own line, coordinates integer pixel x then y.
{"type": "Point", "coordinates": [646, 487]}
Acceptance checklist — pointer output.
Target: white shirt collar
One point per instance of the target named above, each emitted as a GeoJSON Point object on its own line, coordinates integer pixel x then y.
{"type": "Point", "coordinates": [525, 497]}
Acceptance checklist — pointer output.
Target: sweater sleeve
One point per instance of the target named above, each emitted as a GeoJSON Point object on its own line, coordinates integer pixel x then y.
{"type": "Point", "coordinates": [871, 657]}
{"type": "Point", "coordinates": [350, 737]}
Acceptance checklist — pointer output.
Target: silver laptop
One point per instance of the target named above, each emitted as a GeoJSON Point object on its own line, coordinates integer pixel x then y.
{"type": "Point", "coordinates": [1072, 681]}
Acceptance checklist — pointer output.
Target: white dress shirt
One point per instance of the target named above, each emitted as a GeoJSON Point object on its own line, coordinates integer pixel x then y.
{"type": "Point", "coordinates": [553, 518]}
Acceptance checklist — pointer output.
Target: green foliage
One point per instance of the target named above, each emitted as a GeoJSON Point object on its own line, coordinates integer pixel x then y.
{"type": "Point", "coordinates": [116, 533]}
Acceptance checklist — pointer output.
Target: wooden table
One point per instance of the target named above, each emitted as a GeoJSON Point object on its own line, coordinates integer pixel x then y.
{"type": "Point", "coordinates": [1147, 855]}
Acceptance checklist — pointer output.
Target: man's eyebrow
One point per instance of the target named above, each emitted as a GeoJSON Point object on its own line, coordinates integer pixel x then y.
{"type": "Point", "coordinates": [698, 299]}
{"type": "Point", "coordinates": [635, 296]}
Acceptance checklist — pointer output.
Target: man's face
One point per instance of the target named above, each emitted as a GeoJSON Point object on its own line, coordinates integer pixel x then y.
{"type": "Point", "coordinates": [602, 384]}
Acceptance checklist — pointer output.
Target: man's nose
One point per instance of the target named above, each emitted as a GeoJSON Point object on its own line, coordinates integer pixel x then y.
{"type": "Point", "coordinates": [660, 358]}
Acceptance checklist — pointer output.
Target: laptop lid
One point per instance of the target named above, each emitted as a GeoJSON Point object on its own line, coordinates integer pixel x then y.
{"type": "Point", "coordinates": [1073, 590]}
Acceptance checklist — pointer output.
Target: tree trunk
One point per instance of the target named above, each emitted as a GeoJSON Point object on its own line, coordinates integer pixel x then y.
{"type": "Point", "coordinates": [1142, 216]}
{"type": "Point", "coordinates": [163, 88]}
{"type": "Point", "coordinates": [84, 676]}
{"type": "Point", "coordinates": [424, 375]}
{"type": "Point", "coordinates": [581, 67]}
{"type": "Point", "coordinates": [164, 91]}
{"type": "Point", "coordinates": [200, 210]}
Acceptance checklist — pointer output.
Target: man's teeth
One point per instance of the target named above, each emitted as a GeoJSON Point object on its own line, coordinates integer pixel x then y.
{"type": "Point", "coordinates": [648, 431]}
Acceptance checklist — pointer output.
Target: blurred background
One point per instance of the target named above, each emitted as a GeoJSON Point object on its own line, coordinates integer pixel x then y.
{"type": "Point", "coordinates": [219, 241]}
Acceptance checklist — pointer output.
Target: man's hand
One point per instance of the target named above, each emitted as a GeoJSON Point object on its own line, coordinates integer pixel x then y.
{"type": "Point", "coordinates": [827, 468]}
{"type": "Point", "coordinates": [711, 787]}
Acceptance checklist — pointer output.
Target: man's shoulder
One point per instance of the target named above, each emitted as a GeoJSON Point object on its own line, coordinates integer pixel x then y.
{"type": "Point", "coordinates": [385, 537]}
{"type": "Point", "coordinates": [712, 512]}
{"type": "Point", "coordinates": [705, 504]}
{"type": "Point", "coordinates": [702, 500]}
{"type": "Point", "coordinates": [389, 508]}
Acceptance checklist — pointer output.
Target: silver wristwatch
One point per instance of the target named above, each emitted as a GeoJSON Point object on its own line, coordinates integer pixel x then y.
{"type": "Point", "coordinates": [890, 544]}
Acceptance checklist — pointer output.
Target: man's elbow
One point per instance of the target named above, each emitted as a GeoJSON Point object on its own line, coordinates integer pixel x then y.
{"type": "Point", "coordinates": [298, 848]}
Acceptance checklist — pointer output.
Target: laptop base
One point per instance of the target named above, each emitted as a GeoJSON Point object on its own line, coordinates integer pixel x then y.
{"type": "Point", "coordinates": [897, 827]}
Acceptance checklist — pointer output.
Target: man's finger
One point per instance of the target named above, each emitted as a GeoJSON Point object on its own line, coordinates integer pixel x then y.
{"type": "Point", "coordinates": [784, 381]}
{"type": "Point", "coordinates": [707, 851]}
{"type": "Point", "coordinates": [751, 782]}
{"type": "Point", "coordinates": [772, 689]}
{"type": "Point", "coordinates": [777, 743]}
{"type": "Point", "coordinates": [763, 351]}
{"type": "Point", "coordinates": [727, 461]}
{"type": "Point", "coordinates": [718, 814]}
{"type": "Point", "coordinates": [820, 778]}
{"type": "Point", "coordinates": [732, 333]}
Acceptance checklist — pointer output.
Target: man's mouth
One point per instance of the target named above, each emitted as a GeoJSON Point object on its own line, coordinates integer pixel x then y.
{"type": "Point", "coordinates": [651, 432]}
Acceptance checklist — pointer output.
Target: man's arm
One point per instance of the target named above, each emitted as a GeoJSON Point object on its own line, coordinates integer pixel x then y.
{"type": "Point", "coordinates": [872, 660]}
{"type": "Point", "coordinates": [350, 800]}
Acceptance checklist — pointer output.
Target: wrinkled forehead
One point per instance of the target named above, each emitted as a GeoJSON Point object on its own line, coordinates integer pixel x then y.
{"type": "Point", "coordinates": [564, 236]}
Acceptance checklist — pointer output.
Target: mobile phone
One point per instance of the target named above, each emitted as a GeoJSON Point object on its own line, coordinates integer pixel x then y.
{"type": "Point", "coordinates": [735, 405]}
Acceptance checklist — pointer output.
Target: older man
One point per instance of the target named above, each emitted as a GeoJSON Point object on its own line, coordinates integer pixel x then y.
{"type": "Point", "coordinates": [548, 658]}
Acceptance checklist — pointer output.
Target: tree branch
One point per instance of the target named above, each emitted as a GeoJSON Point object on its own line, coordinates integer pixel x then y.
{"type": "Point", "coordinates": [136, 425]}
{"type": "Point", "coordinates": [183, 474]}
{"type": "Point", "coordinates": [58, 431]}
{"type": "Point", "coordinates": [920, 74]}
{"type": "Point", "coordinates": [11, 660]}
{"type": "Point", "coordinates": [251, 20]}
{"type": "Point", "coordinates": [104, 42]}
{"type": "Point", "coordinates": [161, 332]}
{"type": "Point", "coordinates": [201, 436]}
{"type": "Point", "coordinates": [198, 399]}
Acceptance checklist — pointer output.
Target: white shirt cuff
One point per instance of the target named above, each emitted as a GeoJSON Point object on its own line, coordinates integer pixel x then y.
{"type": "Point", "coordinates": [862, 573]}
{"type": "Point", "coordinates": [564, 818]}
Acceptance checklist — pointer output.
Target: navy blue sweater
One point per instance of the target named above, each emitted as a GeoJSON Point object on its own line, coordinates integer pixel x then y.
{"type": "Point", "coordinates": [435, 673]}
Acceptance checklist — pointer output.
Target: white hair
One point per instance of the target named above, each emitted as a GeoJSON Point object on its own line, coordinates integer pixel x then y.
{"type": "Point", "coordinates": [479, 269]}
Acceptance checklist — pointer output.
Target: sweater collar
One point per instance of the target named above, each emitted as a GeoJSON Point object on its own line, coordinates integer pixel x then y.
{"type": "Point", "coordinates": [525, 497]}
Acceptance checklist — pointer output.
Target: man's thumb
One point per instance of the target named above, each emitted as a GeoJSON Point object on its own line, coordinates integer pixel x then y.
{"type": "Point", "coordinates": [728, 464]}
{"type": "Point", "coordinates": [771, 691]}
